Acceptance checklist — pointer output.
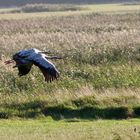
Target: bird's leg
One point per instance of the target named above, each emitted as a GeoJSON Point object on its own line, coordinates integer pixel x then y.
{"type": "Point", "coordinates": [46, 52]}
{"type": "Point", "coordinates": [53, 57]}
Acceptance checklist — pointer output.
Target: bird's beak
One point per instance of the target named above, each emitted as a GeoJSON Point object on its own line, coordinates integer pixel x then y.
{"type": "Point", "coordinates": [9, 62]}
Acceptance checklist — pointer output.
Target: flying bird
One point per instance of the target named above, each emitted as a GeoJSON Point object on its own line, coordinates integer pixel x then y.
{"type": "Point", "coordinates": [25, 59]}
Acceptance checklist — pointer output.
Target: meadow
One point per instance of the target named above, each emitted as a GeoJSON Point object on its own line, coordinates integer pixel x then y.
{"type": "Point", "coordinates": [47, 129]}
{"type": "Point", "coordinates": [100, 75]}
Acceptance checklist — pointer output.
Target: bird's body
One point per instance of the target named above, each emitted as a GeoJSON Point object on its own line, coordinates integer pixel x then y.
{"type": "Point", "coordinates": [26, 58]}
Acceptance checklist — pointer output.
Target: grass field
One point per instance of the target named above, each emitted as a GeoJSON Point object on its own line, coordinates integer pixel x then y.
{"type": "Point", "coordinates": [102, 56]}
{"type": "Point", "coordinates": [85, 9]}
{"type": "Point", "coordinates": [45, 129]}
{"type": "Point", "coordinates": [100, 76]}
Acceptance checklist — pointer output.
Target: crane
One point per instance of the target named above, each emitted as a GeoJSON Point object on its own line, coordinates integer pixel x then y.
{"type": "Point", "coordinates": [25, 59]}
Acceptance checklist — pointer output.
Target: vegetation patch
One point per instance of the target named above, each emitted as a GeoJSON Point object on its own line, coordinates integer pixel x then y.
{"type": "Point", "coordinates": [82, 108]}
{"type": "Point", "coordinates": [100, 75]}
{"type": "Point", "coordinates": [33, 8]}
{"type": "Point", "coordinates": [66, 112]}
{"type": "Point", "coordinates": [49, 8]}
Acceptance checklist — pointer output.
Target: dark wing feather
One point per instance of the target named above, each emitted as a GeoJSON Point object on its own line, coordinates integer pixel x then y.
{"type": "Point", "coordinates": [24, 69]}
{"type": "Point", "coordinates": [47, 68]}
{"type": "Point", "coordinates": [24, 66]}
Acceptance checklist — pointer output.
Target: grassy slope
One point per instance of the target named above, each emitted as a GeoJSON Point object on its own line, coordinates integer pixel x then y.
{"type": "Point", "coordinates": [102, 68]}
{"type": "Point", "coordinates": [79, 130]}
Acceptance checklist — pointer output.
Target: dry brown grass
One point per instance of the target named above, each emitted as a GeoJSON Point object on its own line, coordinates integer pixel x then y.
{"type": "Point", "coordinates": [67, 33]}
{"type": "Point", "coordinates": [90, 42]}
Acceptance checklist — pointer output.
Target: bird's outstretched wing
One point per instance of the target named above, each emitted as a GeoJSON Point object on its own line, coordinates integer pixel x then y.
{"type": "Point", "coordinates": [47, 68]}
{"type": "Point", "coordinates": [26, 58]}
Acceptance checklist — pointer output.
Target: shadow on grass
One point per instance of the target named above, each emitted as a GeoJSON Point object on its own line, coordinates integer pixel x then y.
{"type": "Point", "coordinates": [86, 110]}
{"type": "Point", "coordinates": [61, 111]}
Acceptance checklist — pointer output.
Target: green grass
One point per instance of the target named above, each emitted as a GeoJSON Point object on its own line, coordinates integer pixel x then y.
{"type": "Point", "coordinates": [106, 76]}
{"type": "Point", "coordinates": [69, 129]}
{"type": "Point", "coordinates": [85, 104]}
